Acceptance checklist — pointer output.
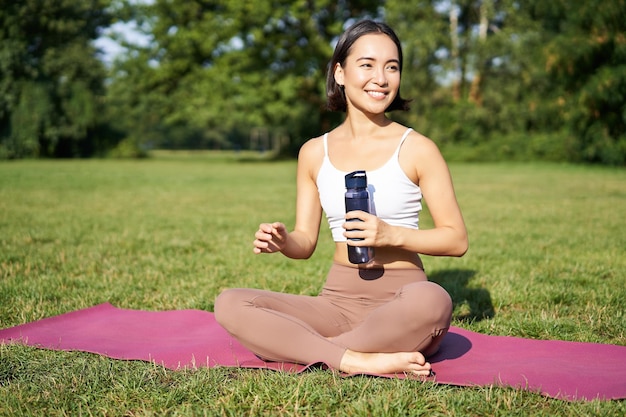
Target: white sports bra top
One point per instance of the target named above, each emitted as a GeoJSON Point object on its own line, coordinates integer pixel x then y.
{"type": "Point", "coordinates": [393, 196]}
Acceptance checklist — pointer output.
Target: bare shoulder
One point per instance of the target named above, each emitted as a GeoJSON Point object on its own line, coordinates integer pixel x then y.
{"type": "Point", "coordinates": [312, 150]}
{"type": "Point", "coordinates": [311, 155]}
{"type": "Point", "coordinates": [420, 145]}
{"type": "Point", "coordinates": [420, 155]}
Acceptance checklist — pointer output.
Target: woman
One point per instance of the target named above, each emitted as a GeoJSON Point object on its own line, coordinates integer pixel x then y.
{"type": "Point", "coordinates": [383, 316]}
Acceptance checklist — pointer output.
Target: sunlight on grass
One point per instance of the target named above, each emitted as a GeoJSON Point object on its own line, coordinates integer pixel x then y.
{"type": "Point", "coordinates": [546, 260]}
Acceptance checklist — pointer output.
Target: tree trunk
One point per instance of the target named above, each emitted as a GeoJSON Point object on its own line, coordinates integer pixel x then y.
{"type": "Point", "coordinates": [454, 41]}
{"type": "Point", "coordinates": [475, 94]}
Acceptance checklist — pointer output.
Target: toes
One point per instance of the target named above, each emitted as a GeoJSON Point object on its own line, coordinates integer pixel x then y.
{"type": "Point", "coordinates": [423, 374]}
{"type": "Point", "coordinates": [420, 369]}
{"type": "Point", "coordinates": [419, 358]}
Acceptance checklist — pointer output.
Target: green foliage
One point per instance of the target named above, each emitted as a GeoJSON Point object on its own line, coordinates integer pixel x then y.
{"type": "Point", "coordinates": [128, 148]}
{"type": "Point", "coordinates": [585, 62]}
{"type": "Point", "coordinates": [225, 68]}
{"type": "Point", "coordinates": [552, 69]}
{"type": "Point", "coordinates": [546, 260]}
{"type": "Point", "coordinates": [50, 78]}
{"type": "Point", "coordinates": [250, 75]}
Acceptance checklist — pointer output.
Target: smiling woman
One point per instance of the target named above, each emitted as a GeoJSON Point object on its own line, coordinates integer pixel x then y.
{"type": "Point", "coordinates": [381, 315]}
{"type": "Point", "coordinates": [370, 75]}
{"type": "Point", "coordinates": [392, 64]}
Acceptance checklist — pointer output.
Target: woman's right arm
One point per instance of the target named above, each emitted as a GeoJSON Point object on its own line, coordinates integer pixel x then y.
{"type": "Point", "coordinates": [301, 242]}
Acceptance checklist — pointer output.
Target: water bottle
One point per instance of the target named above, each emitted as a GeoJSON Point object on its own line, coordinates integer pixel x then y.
{"type": "Point", "coordinates": [358, 198]}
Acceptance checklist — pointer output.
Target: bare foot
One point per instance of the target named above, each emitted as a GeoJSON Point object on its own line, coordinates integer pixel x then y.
{"type": "Point", "coordinates": [384, 363]}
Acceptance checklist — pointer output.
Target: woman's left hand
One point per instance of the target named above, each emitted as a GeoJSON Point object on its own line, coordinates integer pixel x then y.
{"type": "Point", "coordinates": [372, 230]}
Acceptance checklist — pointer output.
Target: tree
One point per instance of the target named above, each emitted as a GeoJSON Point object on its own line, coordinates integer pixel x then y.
{"type": "Point", "coordinates": [522, 79]}
{"type": "Point", "coordinates": [50, 77]}
{"type": "Point", "coordinates": [502, 78]}
{"type": "Point", "coordinates": [225, 68]}
{"type": "Point", "coordinates": [585, 58]}
{"type": "Point", "coordinates": [462, 66]}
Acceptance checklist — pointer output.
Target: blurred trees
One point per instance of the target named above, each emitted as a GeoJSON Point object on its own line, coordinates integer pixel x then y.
{"type": "Point", "coordinates": [506, 79]}
{"type": "Point", "coordinates": [585, 62]}
{"type": "Point", "coordinates": [51, 83]}
{"type": "Point", "coordinates": [225, 73]}
{"type": "Point", "coordinates": [489, 79]}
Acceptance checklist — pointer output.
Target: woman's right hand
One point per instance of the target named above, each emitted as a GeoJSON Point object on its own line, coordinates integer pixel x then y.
{"type": "Point", "coordinates": [270, 238]}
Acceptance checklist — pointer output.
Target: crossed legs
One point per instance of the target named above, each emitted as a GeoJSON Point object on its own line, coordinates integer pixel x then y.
{"type": "Point", "coordinates": [394, 336]}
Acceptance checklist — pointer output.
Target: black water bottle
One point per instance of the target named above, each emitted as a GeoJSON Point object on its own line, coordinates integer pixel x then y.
{"type": "Point", "coordinates": [358, 198]}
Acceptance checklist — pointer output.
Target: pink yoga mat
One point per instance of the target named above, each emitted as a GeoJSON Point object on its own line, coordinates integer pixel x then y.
{"type": "Point", "coordinates": [192, 338]}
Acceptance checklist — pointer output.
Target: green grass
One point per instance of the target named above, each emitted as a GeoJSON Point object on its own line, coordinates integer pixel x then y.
{"type": "Point", "coordinates": [547, 260]}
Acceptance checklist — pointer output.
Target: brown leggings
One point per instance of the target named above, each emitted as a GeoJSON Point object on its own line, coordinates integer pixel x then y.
{"type": "Point", "coordinates": [395, 310]}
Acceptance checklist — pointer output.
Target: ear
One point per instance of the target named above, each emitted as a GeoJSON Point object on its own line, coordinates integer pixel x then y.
{"type": "Point", "coordinates": [339, 75]}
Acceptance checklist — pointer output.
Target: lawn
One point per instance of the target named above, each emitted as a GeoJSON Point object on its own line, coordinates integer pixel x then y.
{"type": "Point", "coordinates": [547, 260]}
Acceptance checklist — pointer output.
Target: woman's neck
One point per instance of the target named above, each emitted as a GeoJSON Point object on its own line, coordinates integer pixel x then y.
{"type": "Point", "coordinates": [359, 125]}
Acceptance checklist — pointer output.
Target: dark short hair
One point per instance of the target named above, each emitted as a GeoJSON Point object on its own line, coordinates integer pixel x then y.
{"type": "Point", "coordinates": [336, 99]}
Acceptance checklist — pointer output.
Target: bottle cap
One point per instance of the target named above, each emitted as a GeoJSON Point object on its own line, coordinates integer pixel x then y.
{"type": "Point", "coordinates": [356, 179]}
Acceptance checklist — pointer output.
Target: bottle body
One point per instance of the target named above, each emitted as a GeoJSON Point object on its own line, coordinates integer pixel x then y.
{"type": "Point", "coordinates": [357, 198]}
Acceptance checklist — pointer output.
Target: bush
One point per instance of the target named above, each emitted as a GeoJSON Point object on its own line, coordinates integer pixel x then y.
{"type": "Point", "coordinates": [128, 148]}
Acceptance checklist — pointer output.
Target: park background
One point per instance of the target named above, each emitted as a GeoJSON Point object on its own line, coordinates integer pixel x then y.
{"type": "Point", "coordinates": [489, 80]}
{"type": "Point", "coordinates": [138, 178]}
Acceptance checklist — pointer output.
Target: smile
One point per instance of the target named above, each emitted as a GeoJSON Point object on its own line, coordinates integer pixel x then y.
{"type": "Point", "coordinates": [377, 94]}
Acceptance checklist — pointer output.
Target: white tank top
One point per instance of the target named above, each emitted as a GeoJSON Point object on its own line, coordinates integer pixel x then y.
{"type": "Point", "coordinates": [393, 196]}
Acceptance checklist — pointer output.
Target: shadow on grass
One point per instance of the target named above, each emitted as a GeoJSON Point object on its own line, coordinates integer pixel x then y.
{"type": "Point", "coordinates": [471, 304]}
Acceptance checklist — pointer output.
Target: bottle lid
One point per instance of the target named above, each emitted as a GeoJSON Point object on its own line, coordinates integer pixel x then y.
{"type": "Point", "coordinates": [356, 179]}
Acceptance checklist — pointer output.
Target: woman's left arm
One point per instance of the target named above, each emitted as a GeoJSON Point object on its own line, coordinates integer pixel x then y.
{"type": "Point", "coordinates": [423, 162]}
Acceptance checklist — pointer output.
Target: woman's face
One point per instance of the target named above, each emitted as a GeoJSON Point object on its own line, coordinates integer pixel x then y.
{"type": "Point", "coordinates": [370, 74]}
